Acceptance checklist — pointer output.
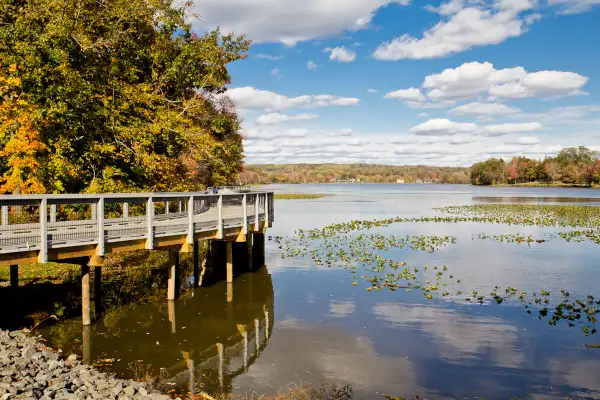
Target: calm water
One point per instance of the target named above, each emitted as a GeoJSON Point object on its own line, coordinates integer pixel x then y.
{"type": "Point", "coordinates": [295, 322]}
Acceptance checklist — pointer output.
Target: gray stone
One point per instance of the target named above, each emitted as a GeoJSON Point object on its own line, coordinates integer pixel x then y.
{"type": "Point", "coordinates": [129, 391]}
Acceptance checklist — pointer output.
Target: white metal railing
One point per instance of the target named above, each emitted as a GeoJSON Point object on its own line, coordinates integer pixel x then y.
{"type": "Point", "coordinates": [45, 222]}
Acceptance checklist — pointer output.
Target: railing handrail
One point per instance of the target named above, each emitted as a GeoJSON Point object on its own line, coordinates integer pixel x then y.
{"type": "Point", "coordinates": [133, 195]}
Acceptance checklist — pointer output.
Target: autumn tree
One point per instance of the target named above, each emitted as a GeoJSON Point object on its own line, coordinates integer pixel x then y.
{"type": "Point", "coordinates": [116, 95]}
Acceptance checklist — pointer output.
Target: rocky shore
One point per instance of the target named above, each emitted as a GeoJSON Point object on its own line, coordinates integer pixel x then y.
{"type": "Point", "coordinates": [30, 370]}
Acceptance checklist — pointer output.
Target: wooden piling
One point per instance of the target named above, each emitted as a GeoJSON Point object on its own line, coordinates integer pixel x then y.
{"type": "Point", "coordinates": [197, 264]}
{"type": "Point", "coordinates": [173, 284]}
{"type": "Point", "coordinates": [85, 294]}
{"type": "Point", "coordinates": [229, 261]}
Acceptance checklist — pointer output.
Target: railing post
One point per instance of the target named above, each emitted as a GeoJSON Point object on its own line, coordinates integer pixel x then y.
{"type": "Point", "coordinates": [100, 211]}
{"type": "Point", "coordinates": [150, 219]}
{"type": "Point", "coordinates": [125, 210]}
{"type": "Point", "coordinates": [245, 213]}
{"type": "Point", "coordinates": [43, 255]}
{"type": "Point", "coordinates": [166, 207]}
{"type": "Point", "coordinates": [52, 212]}
{"type": "Point", "coordinates": [190, 236]}
{"type": "Point", "coordinates": [94, 211]}
{"type": "Point", "coordinates": [4, 215]}
{"type": "Point", "coordinates": [220, 217]}
{"type": "Point", "coordinates": [256, 221]}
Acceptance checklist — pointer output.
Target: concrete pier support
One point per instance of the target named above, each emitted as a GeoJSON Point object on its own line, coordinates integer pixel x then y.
{"type": "Point", "coordinates": [14, 277]}
{"type": "Point", "coordinates": [173, 284]}
{"type": "Point", "coordinates": [229, 261]}
{"type": "Point", "coordinates": [85, 295]}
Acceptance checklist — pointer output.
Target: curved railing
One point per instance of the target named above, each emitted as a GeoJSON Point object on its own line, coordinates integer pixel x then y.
{"type": "Point", "coordinates": [48, 222]}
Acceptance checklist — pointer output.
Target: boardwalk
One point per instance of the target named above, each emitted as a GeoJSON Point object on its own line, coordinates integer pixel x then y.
{"type": "Point", "coordinates": [59, 227]}
{"type": "Point", "coordinates": [84, 228]}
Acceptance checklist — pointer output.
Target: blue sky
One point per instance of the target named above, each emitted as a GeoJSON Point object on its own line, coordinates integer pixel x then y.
{"type": "Point", "coordinates": [413, 81]}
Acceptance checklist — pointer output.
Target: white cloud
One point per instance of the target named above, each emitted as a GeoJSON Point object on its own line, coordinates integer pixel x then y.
{"type": "Point", "coordinates": [341, 54]}
{"type": "Point", "coordinates": [287, 21]}
{"type": "Point", "coordinates": [340, 132]}
{"type": "Point", "coordinates": [473, 79]}
{"type": "Point", "coordinates": [276, 118]}
{"type": "Point", "coordinates": [484, 109]}
{"type": "Point", "coordinates": [372, 90]}
{"type": "Point", "coordinates": [505, 129]}
{"type": "Point", "coordinates": [410, 94]}
{"type": "Point", "coordinates": [268, 57]}
{"type": "Point", "coordinates": [251, 98]}
{"type": "Point", "coordinates": [525, 141]}
{"type": "Point", "coordinates": [276, 71]}
{"type": "Point", "coordinates": [574, 6]}
{"type": "Point", "coordinates": [311, 65]}
{"type": "Point", "coordinates": [423, 115]}
{"type": "Point", "coordinates": [445, 127]}
{"type": "Point", "coordinates": [442, 127]}
{"type": "Point", "coordinates": [465, 24]}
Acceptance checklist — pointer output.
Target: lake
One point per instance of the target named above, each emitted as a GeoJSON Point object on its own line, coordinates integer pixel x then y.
{"type": "Point", "coordinates": [294, 322]}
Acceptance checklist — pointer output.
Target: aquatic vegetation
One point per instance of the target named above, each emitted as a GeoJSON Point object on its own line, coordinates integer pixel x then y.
{"type": "Point", "coordinates": [298, 196]}
{"type": "Point", "coordinates": [354, 247]}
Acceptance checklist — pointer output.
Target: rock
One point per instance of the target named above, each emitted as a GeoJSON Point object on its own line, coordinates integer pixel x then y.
{"type": "Point", "coordinates": [29, 370]}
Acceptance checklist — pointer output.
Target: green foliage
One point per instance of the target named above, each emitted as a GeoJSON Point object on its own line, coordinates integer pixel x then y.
{"type": "Point", "coordinates": [121, 96]}
{"type": "Point", "coordinates": [572, 165]}
{"type": "Point", "coordinates": [326, 173]}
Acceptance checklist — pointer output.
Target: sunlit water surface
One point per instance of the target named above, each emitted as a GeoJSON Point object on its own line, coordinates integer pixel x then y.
{"type": "Point", "coordinates": [293, 322]}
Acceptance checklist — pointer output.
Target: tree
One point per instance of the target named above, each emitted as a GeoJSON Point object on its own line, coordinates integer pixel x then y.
{"type": "Point", "coordinates": [114, 95]}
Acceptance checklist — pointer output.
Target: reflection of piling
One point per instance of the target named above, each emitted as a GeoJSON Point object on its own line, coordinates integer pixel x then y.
{"type": "Point", "coordinates": [257, 330]}
{"type": "Point", "coordinates": [86, 342]}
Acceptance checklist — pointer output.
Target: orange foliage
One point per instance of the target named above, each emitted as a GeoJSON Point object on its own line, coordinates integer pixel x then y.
{"type": "Point", "coordinates": [18, 131]}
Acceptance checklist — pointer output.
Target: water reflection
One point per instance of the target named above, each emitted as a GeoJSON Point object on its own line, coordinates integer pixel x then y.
{"type": "Point", "coordinates": [200, 342]}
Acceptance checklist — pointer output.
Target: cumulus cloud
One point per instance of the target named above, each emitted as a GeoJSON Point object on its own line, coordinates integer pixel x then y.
{"type": "Point", "coordinates": [423, 115]}
{"type": "Point", "coordinates": [525, 141]}
{"type": "Point", "coordinates": [461, 139]}
{"type": "Point", "coordinates": [372, 90]}
{"type": "Point", "coordinates": [474, 79]}
{"type": "Point", "coordinates": [411, 94]}
{"type": "Point", "coordinates": [464, 24]}
{"type": "Point", "coordinates": [311, 65]}
{"type": "Point", "coordinates": [251, 98]}
{"type": "Point", "coordinates": [287, 21]}
{"type": "Point", "coordinates": [341, 54]}
{"type": "Point", "coordinates": [276, 118]}
{"type": "Point", "coordinates": [445, 127]}
{"type": "Point", "coordinates": [484, 109]}
{"type": "Point", "coordinates": [442, 127]}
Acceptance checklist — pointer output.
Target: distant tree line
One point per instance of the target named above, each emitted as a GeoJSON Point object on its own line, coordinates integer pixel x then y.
{"type": "Point", "coordinates": [573, 165]}
{"type": "Point", "coordinates": [369, 173]}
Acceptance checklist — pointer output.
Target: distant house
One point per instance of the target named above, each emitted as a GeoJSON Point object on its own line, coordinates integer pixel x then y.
{"type": "Point", "coordinates": [399, 180]}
